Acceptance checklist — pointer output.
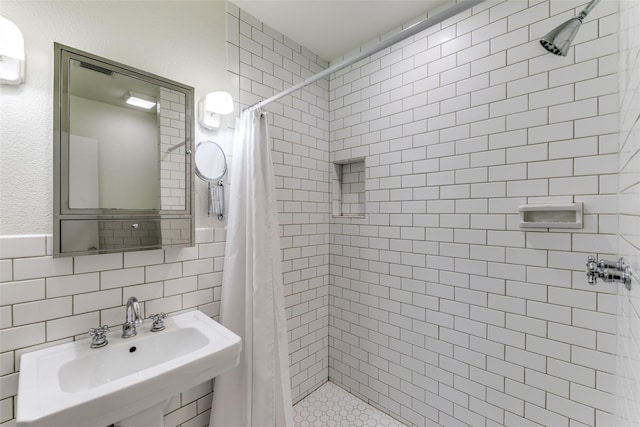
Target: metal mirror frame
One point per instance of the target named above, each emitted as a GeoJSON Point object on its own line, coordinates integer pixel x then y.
{"type": "Point", "coordinates": [199, 173]}
{"type": "Point", "coordinates": [61, 212]}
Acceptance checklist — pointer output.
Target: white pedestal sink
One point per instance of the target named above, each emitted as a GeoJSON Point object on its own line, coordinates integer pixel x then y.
{"type": "Point", "coordinates": [129, 381]}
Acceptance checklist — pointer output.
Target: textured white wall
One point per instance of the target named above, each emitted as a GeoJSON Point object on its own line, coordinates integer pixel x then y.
{"type": "Point", "coordinates": [183, 41]}
{"type": "Point", "coordinates": [628, 360]}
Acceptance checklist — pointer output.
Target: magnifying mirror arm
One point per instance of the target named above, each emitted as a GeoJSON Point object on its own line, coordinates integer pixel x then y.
{"type": "Point", "coordinates": [211, 167]}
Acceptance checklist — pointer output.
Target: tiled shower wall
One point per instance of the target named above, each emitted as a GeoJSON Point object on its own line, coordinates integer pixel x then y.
{"type": "Point", "coordinates": [442, 310]}
{"type": "Point", "coordinates": [265, 62]}
{"type": "Point", "coordinates": [628, 360]}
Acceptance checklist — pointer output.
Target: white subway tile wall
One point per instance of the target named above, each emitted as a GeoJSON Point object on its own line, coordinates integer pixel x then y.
{"type": "Point", "coordinates": [442, 311]}
{"type": "Point", "coordinates": [628, 345]}
{"type": "Point", "coordinates": [265, 62]}
{"type": "Point", "coordinates": [46, 301]}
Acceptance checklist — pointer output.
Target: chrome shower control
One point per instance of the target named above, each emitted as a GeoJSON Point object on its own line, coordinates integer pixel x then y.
{"type": "Point", "coordinates": [158, 322]}
{"type": "Point", "coordinates": [609, 271]}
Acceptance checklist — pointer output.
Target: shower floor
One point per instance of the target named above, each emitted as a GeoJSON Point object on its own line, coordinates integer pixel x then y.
{"type": "Point", "coordinates": [331, 406]}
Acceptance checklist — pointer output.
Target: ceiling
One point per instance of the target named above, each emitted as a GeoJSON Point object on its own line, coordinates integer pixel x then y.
{"type": "Point", "coordinates": [331, 28]}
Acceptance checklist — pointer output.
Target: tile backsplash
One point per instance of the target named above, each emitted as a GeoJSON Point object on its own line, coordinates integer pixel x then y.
{"type": "Point", "coordinates": [46, 301]}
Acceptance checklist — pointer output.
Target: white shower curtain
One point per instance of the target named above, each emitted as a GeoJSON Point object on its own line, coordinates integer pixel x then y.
{"type": "Point", "coordinates": [257, 393]}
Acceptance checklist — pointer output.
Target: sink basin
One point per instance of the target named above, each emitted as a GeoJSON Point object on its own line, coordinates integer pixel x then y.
{"type": "Point", "coordinates": [72, 384]}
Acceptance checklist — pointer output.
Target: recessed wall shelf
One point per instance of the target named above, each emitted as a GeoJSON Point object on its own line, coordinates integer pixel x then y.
{"type": "Point", "coordinates": [561, 215]}
{"type": "Point", "coordinates": [347, 189]}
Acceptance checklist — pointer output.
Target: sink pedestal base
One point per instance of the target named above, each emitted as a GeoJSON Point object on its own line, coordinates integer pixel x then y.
{"type": "Point", "coordinates": [151, 417]}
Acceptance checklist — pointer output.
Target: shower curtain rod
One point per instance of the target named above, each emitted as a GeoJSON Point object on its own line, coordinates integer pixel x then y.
{"type": "Point", "coordinates": [407, 32]}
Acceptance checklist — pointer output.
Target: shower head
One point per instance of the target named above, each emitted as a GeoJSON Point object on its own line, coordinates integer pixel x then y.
{"type": "Point", "coordinates": [558, 41]}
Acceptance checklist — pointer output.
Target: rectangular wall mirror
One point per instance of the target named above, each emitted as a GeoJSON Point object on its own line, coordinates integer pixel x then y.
{"type": "Point", "coordinates": [123, 139]}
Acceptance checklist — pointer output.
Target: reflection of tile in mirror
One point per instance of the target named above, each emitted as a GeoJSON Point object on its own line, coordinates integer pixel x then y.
{"type": "Point", "coordinates": [172, 145]}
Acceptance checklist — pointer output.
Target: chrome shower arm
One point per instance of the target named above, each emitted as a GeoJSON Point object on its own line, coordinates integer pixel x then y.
{"type": "Point", "coordinates": [587, 10]}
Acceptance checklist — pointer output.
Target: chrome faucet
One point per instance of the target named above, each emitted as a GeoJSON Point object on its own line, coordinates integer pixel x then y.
{"type": "Point", "coordinates": [133, 318]}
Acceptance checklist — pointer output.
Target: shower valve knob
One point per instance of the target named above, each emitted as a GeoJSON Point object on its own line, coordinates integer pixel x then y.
{"type": "Point", "coordinates": [609, 271]}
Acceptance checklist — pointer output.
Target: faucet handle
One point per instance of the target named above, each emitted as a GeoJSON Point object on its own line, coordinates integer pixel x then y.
{"type": "Point", "coordinates": [592, 270]}
{"type": "Point", "coordinates": [99, 336]}
{"type": "Point", "coordinates": [158, 321]}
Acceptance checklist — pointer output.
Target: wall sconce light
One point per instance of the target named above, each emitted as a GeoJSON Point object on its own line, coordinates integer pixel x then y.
{"type": "Point", "coordinates": [11, 53]}
{"type": "Point", "coordinates": [139, 100]}
{"type": "Point", "coordinates": [212, 107]}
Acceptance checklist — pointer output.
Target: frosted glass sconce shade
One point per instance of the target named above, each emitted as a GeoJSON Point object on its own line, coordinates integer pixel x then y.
{"type": "Point", "coordinates": [212, 107]}
{"type": "Point", "coordinates": [11, 53]}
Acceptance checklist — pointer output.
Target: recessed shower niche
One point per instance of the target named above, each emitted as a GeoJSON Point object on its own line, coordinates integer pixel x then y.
{"type": "Point", "coordinates": [347, 189]}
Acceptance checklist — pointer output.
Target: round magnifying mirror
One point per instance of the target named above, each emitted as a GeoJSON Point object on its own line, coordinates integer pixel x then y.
{"type": "Point", "coordinates": [211, 163]}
